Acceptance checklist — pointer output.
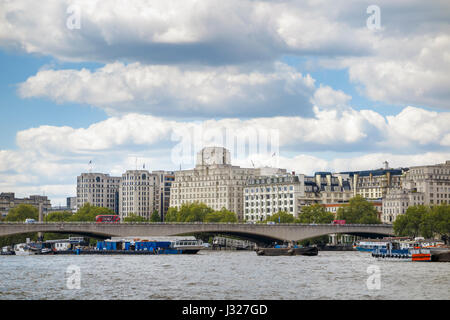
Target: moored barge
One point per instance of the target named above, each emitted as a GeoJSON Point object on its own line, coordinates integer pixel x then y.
{"type": "Point", "coordinates": [289, 251]}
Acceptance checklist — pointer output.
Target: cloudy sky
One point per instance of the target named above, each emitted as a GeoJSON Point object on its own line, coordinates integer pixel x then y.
{"type": "Point", "coordinates": [122, 83]}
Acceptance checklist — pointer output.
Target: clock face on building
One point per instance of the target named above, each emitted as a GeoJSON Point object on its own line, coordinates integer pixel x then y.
{"type": "Point", "coordinates": [212, 156]}
{"type": "Point", "coordinates": [208, 158]}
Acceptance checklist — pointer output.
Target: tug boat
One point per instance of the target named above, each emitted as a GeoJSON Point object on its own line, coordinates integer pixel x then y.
{"type": "Point", "coordinates": [406, 251]}
{"type": "Point", "coordinates": [287, 251]}
{"type": "Point", "coordinates": [392, 250]}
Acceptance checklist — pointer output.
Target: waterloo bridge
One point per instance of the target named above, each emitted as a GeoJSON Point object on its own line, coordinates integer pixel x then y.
{"type": "Point", "coordinates": [260, 233]}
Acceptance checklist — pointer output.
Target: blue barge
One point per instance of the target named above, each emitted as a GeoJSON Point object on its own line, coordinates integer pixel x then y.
{"type": "Point", "coordinates": [145, 246]}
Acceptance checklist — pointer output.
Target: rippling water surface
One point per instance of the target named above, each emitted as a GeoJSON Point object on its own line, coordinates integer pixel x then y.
{"type": "Point", "coordinates": [221, 275]}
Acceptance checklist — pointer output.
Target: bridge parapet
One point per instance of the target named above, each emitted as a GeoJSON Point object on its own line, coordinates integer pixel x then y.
{"type": "Point", "coordinates": [270, 232]}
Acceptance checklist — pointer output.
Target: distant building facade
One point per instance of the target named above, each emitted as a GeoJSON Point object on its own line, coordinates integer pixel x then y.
{"type": "Point", "coordinates": [421, 185]}
{"type": "Point", "coordinates": [139, 193]}
{"type": "Point", "coordinates": [98, 189]}
{"type": "Point", "coordinates": [8, 201]}
{"type": "Point", "coordinates": [373, 184]}
{"type": "Point", "coordinates": [71, 203]}
{"type": "Point", "coordinates": [433, 181]}
{"type": "Point", "coordinates": [166, 178]}
{"type": "Point", "coordinates": [267, 195]}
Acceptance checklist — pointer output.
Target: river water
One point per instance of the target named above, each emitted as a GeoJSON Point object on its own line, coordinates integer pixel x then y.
{"type": "Point", "coordinates": [221, 275]}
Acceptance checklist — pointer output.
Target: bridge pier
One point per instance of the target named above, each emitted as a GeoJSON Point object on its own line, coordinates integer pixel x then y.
{"type": "Point", "coordinates": [41, 219]}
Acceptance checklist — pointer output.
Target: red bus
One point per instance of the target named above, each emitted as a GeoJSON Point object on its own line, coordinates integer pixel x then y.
{"type": "Point", "coordinates": [338, 221]}
{"type": "Point", "coordinates": [107, 218]}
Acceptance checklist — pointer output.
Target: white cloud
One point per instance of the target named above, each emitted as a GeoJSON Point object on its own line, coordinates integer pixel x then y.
{"type": "Point", "coordinates": [209, 31]}
{"type": "Point", "coordinates": [405, 63]}
{"type": "Point", "coordinates": [326, 96]}
{"type": "Point", "coordinates": [50, 155]}
{"type": "Point", "coordinates": [411, 71]}
{"type": "Point", "coordinates": [214, 32]}
{"type": "Point", "coordinates": [339, 130]}
{"type": "Point", "coordinates": [130, 129]}
{"type": "Point", "coordinates": [175, 90]}
{"type": "Point", "coordinates": [418, 126]}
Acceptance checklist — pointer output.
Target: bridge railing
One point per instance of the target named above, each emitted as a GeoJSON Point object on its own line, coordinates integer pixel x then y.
{"type": "Point", "coordinates": [196, 223]}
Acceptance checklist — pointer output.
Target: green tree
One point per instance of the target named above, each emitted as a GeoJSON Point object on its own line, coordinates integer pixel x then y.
{"type": "Point", "coordinates": [425, 221]}
{"type": "Point", "coordinates": [22, 212]}
{"type": "Point", "coordinates": [17, 238]}
{"type": "Point", "coordinates": [88, 212]}
{"type": "Point", "coordinates": [412, 222]}
{"type": "Point", "coordinates": [221, 216]}
{"type": "Point", "coordinates": [359, 211]}
{"type": "Point", "coordinates": [441, 217]}
{"type": "Point", "coordinates": [315, 214]}
{"type": "Point", "coordinates": [155, 217]}
{"type": "Point", "coordinates": [427, 227]}
{"type": "Point", "coordinates": [415, 217]}
{"type": "Point", "coordinates": [281, 217]}
{"type": "Point", "coordinates": [193, 212]}
{"type": "Point", "coordinates": [58, 216]}
{"type": "Point", "coordinates": [199, 212]}
{"type": "Point", "coordinates": [171, 215]}
{"type": "Point", "coordinates": [132, 217]}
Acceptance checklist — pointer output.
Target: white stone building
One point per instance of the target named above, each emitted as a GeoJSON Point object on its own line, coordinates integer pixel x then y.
{"type": "Point", "coordinates": [433, 181]}
{"type": "Point", "coordinates": [421, 185]}
{"type": "Point", "coordinates": [139, 193]}
{"type": "Point", "coordinates": [397, 201]}
{"type": "Point", "coordinates": [214, 182]}
{"type": "Point", "coordinates": [98, 189]}
{"type": "Point", "coordinates": [267, 195]}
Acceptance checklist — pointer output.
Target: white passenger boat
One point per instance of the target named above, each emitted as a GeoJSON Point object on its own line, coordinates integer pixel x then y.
{"type": "Point", "coordinates": [23, 249]}
{"type": "Point", "coordinates": [188, 246]}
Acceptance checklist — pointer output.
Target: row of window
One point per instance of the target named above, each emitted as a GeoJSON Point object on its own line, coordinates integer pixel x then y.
{"type": "Point", "coordinates": [186, 190]}
{"type": "Point", "coordinates": [268, 203]}
{"type": "Point", "coordinates": [268, 189]}
{"type": "Point", "coordinates": [269, 210]}
{"type": "Point", "coordinates": [267, 196]}
{"type": "Point", "coordinates": [89, 185]}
